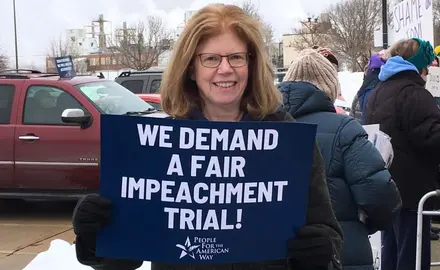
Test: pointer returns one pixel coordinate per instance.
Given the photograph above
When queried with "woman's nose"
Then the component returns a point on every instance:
(224, 66)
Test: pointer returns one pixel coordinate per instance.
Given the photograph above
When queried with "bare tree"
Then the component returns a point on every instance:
(140, 46)
(436, 17)
(267, 30)
(4, 61)
(58, 47)
(310, 33)
(352, 29)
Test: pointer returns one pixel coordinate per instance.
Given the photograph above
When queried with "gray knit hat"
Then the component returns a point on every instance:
(314, 68)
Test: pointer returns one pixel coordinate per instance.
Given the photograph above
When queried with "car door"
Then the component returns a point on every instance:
(7, 93)
(134, 85)
(50, 154)
(153, 84)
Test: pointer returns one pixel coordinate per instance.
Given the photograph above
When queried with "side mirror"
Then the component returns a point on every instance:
(76, 116)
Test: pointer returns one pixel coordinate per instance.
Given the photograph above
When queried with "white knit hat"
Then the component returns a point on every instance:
(314, 68)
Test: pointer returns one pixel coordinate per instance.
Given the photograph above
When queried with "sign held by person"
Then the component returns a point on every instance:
(409, 19)
(65, 66)
(203, 192)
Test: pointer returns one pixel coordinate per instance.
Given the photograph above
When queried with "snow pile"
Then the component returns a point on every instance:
(61, 255)
(350, 84)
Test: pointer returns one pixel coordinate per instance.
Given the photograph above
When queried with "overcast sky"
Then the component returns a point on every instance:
(40, 21)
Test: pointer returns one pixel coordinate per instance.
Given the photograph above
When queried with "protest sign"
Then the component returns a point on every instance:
(408, 19)
(65, 66)
(433, 81)
(382, 142)
(203, 192)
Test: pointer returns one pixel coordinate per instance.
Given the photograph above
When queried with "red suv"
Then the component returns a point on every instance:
(50, 132)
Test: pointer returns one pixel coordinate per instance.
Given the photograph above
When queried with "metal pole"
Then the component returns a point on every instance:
(420, 214)
(15, 32)
(384, 24)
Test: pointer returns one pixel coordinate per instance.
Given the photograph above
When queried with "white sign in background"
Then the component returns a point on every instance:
(409, 18)
(433, 81)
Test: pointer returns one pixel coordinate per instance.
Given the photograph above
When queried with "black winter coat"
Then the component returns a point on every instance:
(319, 214)
(408, 113)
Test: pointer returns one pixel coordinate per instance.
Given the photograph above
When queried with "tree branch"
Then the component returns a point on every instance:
(352, 28)
(140, 46)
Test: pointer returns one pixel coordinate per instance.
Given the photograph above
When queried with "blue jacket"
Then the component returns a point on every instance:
(356, 175)
(370, 81)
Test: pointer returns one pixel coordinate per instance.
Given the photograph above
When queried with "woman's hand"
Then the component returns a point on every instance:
(90, 215)
(312, 249)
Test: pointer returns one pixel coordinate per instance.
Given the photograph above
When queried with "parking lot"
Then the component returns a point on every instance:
(27, 229)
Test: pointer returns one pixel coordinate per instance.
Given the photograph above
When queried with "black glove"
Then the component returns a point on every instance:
(311, 249)
(91, 214)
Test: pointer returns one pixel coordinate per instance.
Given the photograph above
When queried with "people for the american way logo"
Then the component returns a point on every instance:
(204, 248)
(187, 249)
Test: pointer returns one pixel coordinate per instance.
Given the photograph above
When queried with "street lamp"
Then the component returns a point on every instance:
(384, 24)
(15, 33)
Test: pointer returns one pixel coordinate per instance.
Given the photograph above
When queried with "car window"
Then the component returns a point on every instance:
(45, 104)
(110, 97)
(134, 86)
(155, 85)
(6, 98)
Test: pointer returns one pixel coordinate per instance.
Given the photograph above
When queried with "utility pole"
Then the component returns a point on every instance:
(15, 33)
(101, 35)
(384, 24)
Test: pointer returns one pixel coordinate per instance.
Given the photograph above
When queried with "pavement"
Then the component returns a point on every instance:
(27, 228)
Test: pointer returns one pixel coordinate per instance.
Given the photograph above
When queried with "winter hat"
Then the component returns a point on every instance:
(424, 55)
(314, 68)
(327, 53)
(437, 50)
(375, 62)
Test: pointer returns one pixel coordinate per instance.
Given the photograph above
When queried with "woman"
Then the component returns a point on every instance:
(219, 72)
(364, 197)
(370, 81)
(408, 113)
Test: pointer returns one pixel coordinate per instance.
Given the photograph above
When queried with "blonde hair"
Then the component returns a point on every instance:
(404, 48)
(179, 94)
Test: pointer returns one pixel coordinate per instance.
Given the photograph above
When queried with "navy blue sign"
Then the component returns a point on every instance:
(65, 66)
(203, 192)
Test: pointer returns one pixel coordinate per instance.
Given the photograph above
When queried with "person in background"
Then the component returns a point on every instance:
(437, 50)
(435, 219)
(329, 55)
(377, 60)
(364, 196)
(408, 113)
(219, 72)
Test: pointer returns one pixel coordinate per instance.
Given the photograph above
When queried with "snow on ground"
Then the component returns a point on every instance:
(61, 254)
(350, 84)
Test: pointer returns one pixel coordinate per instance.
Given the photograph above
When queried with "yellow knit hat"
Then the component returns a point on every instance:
(437, 50)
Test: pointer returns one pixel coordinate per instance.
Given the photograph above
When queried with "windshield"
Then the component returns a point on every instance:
(112, 98)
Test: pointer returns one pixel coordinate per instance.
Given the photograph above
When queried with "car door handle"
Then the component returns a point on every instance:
(29, 138)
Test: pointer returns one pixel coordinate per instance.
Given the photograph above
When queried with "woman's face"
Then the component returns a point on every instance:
(221, 80)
